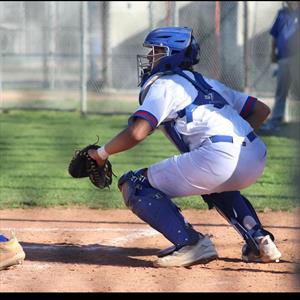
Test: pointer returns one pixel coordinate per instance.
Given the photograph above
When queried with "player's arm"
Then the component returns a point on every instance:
(129, 137)
(258, 115)
(126, 139)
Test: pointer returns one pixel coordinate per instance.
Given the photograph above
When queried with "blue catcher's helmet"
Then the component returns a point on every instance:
(180, 49)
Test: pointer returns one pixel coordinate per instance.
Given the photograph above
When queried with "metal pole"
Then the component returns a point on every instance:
(246, 48)
(168, 13)
(93, 42)
(45, 39)
(217, 38)
(151, 20)
(83, 56)
(106, 49)
(1, 87)
(104, 43)
(52, 44)
(175, 15)
(1, 78)
(23, 28)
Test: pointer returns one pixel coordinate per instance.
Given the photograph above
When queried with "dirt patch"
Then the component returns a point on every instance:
(112, 250)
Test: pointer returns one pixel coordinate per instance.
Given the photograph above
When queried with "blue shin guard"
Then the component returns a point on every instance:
(156, 209)
(240, 213)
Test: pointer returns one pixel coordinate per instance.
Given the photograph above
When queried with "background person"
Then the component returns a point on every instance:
(285, 52)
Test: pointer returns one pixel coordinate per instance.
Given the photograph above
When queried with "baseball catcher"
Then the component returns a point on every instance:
(213, 127)
(83, 165)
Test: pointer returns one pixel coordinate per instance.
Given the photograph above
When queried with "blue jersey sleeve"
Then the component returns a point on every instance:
(274, 31)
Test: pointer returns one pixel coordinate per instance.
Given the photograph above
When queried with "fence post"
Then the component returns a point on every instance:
(175, 14)
(52, 43)
(45, 31)
(83, 57)
(1, 87)
(217, 39)
(23, 28)
(106, 49)
(246, 48)
(151, 20)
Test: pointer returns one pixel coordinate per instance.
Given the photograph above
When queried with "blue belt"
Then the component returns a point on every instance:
(229, 139)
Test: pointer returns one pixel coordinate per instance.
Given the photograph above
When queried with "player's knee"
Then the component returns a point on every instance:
(156, 209)
(130, 183)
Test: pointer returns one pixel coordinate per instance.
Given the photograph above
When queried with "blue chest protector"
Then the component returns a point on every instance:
(206, 95)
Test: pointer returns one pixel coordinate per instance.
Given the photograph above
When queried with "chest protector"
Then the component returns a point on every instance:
(206, 96)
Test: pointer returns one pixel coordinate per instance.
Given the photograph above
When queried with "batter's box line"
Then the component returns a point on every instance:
(113, 242)
(34, 229)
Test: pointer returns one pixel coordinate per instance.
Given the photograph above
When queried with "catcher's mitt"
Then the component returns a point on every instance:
(82, 165)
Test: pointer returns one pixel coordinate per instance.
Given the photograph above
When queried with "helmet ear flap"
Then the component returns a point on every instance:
(192, 52)
(188, 51)
(195, 51)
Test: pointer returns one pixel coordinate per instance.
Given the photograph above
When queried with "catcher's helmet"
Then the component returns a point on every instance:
(181, 50)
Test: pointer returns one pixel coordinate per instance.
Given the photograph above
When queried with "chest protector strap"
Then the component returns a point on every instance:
(168, 128)
(148, 85)
(206, 95)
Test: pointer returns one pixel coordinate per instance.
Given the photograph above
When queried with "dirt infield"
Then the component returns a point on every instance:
(112, 250)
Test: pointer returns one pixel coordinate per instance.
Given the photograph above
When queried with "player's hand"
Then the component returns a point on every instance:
(94, 155)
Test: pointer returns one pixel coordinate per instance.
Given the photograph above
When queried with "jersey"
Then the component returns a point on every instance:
(218, 154)
(171, 93)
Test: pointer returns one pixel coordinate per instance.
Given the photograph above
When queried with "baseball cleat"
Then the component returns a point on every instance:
(11, 253)
(202, 252)
(268, 251)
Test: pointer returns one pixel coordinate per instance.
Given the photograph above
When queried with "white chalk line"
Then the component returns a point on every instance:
(111, 244)
(133, 236)
(35, 229)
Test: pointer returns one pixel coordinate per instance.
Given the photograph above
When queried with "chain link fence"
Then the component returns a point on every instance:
(82, 55)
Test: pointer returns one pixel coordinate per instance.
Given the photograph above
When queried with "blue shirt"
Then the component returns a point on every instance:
(285, 31)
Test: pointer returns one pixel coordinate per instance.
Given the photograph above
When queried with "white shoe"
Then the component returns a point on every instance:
(11, 253)
(202, 252)
(268, 251)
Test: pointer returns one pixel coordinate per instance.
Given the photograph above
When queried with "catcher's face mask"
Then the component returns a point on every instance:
(147, 62)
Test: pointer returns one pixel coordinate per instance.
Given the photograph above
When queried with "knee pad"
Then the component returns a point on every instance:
(240, 213)
(156, 209)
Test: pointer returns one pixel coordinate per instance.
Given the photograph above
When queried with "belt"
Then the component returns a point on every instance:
(229, 139)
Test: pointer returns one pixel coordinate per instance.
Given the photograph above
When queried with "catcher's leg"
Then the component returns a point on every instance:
(157, 209)
(239, 212)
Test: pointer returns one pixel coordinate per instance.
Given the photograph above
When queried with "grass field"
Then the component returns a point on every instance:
(36, 147)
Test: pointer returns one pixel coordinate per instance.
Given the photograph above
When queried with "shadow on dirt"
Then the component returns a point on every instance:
(241, 266)
(94, 254)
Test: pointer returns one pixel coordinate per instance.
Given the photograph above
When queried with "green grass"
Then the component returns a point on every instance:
(36, 147)
(104, 106)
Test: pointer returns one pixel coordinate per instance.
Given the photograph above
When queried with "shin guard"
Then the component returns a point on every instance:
(239, 212)
(156, 209)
